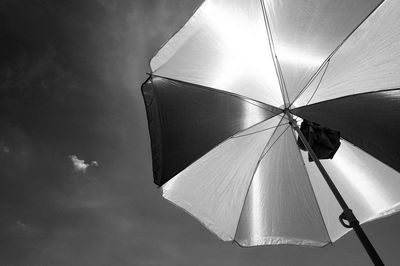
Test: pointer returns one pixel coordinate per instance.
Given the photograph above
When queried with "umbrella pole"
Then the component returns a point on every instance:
(347, 215)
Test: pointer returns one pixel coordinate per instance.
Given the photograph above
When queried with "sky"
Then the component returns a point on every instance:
(76, 184)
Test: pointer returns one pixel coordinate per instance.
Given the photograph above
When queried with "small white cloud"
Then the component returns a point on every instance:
(79, 165)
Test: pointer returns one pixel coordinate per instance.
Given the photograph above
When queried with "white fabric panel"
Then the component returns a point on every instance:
(224, 46)
(370, 188)
(213, 188)
(280, 207)
(369, 60)
(306, 32)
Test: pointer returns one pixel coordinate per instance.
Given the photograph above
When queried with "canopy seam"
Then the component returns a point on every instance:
(274, 57)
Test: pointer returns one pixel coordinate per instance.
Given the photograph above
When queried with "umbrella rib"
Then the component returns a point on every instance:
(312, 188)
(333, 53)
(272, 109)
(244, 135)
(283, 80)
(252, 177)
(264, 154)
(319, 83)
(278, 71)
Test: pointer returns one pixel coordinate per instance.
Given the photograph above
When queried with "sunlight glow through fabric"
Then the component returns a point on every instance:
(222, 146)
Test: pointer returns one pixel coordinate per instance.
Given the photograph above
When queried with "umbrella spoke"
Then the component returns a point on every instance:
(270, 128)
(278, 70)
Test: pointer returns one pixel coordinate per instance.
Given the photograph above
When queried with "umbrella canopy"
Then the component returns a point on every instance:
(220, 101)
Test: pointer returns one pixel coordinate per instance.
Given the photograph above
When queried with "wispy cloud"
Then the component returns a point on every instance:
(80, 165)
(4, 148)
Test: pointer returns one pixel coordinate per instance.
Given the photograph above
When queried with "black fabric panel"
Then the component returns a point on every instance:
(186, 121)
(370, 121)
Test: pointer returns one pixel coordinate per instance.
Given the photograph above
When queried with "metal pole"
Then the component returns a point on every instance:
(347, 214)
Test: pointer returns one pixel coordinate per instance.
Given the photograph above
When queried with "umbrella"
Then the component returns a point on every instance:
(270, 119)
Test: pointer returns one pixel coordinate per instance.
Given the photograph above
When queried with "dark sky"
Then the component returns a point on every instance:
(70, 76)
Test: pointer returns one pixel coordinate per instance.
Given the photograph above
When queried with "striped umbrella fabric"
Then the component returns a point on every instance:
(220, 97)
